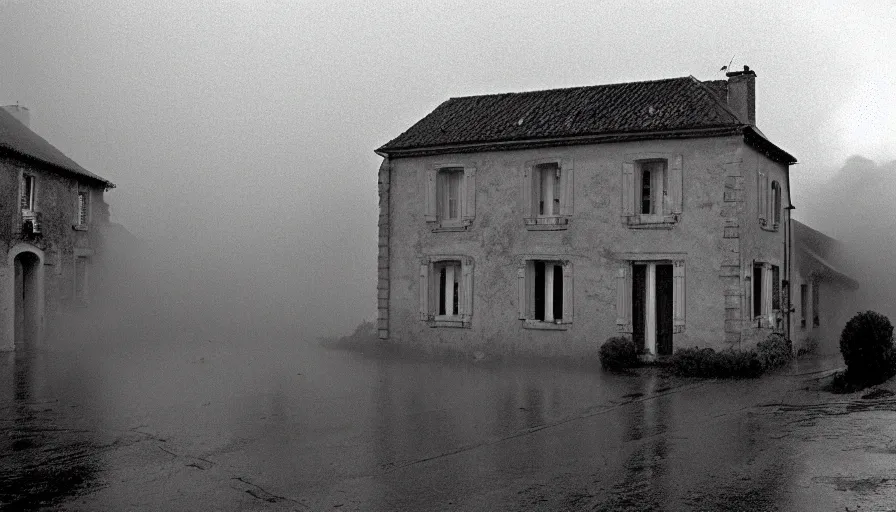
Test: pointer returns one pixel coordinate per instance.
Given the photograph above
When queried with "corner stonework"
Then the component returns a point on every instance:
(382, 266)
(729, 243)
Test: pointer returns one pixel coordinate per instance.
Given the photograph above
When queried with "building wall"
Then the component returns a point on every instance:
(709, 237)
(59, 244)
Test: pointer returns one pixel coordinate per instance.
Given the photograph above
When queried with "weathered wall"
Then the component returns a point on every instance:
(707, 238)
(59, 242)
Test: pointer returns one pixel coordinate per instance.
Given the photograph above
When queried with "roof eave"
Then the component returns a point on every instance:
(754, 138)
(505, 145)
(92, 177)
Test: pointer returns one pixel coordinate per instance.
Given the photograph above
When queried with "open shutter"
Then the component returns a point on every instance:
(675, 185)
(466, 287)
(628, 189)
(567, 293)
(424, 291)
(469, 194)
(567, 190)
(624, 299)
(767, 289)
(527, 200)
(762, 196)
(678, 296)
(522, 292)
(430, 201)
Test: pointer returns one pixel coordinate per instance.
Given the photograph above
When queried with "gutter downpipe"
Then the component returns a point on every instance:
(788, 262)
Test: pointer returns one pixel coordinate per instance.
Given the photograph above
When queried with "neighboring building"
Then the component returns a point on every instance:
(545, 222)
(50, 215)
(823, 293)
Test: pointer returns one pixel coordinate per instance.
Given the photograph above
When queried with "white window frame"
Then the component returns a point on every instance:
(436, 200)
(32, 198)
(666, 190)
(82, 210)
(768, 316)
(429, 300)
(548, 208)
(526, 293)
(775, 204)
(624, 321)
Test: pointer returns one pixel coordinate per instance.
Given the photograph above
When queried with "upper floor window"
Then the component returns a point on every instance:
(83, 208)
(776, 204)
(768, 201)
(548, 194)
(29, 193)
(446, 291)
(651, 189)
(450, 200)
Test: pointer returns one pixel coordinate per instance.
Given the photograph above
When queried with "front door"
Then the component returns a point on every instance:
(664, 309)
(639, 305)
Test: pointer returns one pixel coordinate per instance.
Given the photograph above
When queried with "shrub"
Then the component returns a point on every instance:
(775, 351)
(707, 363)
(810, 346)
(867, 347)
(618, 352)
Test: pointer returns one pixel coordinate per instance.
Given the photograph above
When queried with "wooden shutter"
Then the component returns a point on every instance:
(679, 297)
(466, 287)
(469, 194)
(567, 189)
(676, 191)
(567, 293)
(762, 196)
(527, 199)
(522, 292)
(624, 298)
(628, 189)
(767, 292)
(430, 199)
(424, 291)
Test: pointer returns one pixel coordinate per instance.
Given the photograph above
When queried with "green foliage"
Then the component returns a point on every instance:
(866, 343)
(618, 352)
(775, 351)
(707, 363)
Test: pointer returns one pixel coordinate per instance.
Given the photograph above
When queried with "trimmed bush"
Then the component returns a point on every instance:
(867, 347)
(707, 363)
(618, 352)
(775, 351)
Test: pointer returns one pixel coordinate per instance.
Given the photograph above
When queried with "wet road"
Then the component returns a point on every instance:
(202, 425)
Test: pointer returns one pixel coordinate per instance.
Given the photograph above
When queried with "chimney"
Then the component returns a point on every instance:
(20, 113)
(742, 94)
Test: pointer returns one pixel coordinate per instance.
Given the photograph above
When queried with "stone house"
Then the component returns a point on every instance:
(50, 216)
(546, 222)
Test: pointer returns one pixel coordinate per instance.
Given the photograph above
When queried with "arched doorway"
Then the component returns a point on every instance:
(26, 299)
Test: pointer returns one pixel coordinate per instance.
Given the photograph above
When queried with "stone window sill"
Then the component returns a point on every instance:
(765, 227)
(538, 325)
(448, 227)
(79, 227)
(546, 223)
(448, 322)
(648, 221)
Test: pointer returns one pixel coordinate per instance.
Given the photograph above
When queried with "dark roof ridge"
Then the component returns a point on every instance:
(571, 88)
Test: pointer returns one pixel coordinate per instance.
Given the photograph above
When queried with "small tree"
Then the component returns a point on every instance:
(867, 347)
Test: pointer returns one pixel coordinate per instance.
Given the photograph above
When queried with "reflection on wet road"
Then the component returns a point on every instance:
(201, 426)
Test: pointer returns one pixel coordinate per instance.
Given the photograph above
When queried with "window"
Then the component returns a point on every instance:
(642, 288)
(80, 279)
(766, 294)
(776, 205)
(446, 291)
(83, 209)
(450, 203)
(548, 194)
(804, 304)
(545, 293)
(815, 303)
(29, 192)
(652, 189)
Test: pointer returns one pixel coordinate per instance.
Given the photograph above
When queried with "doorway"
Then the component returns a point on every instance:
(26, 300)
(652, 310)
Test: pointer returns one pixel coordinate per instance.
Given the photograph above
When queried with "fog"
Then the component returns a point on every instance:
(241, 133)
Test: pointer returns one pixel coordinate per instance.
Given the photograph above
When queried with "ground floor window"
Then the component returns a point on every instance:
(80, 278)
(545, 293)
(446, 291)
(804, 304)
(766, 290)
(815, 303)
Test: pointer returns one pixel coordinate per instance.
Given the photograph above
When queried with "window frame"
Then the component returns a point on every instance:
(82, 211)
(671, 199)
(434, 204)
(526, 292)
(563, 194)
(429, 291)
(32, 197)
(768, 315)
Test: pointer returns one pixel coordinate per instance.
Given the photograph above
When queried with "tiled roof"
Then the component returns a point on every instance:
(820, 253)
(655, 106)
(19, 139)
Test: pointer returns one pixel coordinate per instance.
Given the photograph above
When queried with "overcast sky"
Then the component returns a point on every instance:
(241, 133)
